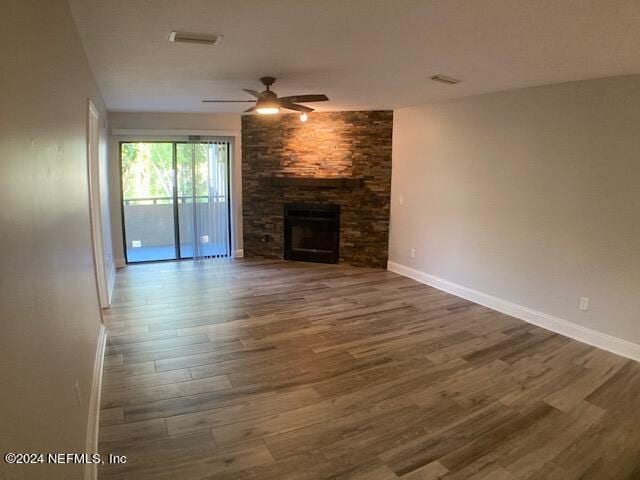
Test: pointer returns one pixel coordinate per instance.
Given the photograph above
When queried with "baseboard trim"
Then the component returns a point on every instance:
(555, 324)
(111, 282)
(238, 253)
(91, 469)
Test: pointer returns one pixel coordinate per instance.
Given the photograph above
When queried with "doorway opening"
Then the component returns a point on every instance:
(175, 199)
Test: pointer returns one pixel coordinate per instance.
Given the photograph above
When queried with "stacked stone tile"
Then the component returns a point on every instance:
(331, 144)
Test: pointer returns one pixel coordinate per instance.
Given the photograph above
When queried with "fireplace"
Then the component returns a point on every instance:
(311, 232)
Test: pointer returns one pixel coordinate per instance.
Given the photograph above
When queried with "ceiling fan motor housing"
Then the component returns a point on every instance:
(268, 95)
(268, 99)
(267, 81)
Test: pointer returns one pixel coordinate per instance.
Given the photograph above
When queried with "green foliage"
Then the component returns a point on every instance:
(187, 177)
(147, 170)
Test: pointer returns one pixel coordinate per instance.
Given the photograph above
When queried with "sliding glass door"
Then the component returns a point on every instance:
(175, 200)
(147, 201)
(203, 199)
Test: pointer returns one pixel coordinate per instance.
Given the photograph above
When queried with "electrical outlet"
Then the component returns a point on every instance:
(413, 253)
(401, 200)
(584, 304)
(76, 387)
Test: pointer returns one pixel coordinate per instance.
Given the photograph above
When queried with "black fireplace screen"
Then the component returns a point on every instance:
(312, 232)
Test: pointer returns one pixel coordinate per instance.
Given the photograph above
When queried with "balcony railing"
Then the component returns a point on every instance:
(151, 222)
(185, 199)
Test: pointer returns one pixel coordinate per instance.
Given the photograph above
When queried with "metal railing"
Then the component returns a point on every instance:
(185, 199)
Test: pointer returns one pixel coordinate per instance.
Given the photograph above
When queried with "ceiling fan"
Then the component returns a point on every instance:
(268, 103)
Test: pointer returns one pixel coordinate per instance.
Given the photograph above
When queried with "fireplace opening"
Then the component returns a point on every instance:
(312, 232)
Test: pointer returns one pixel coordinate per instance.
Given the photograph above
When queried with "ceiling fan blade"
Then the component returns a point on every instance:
(305, 98)
(248, 110)
(293, 106)
(252, 92)
(227, 101)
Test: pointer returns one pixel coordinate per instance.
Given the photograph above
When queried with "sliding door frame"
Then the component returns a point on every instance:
(176, 218)
(230, 244)
(176, 207)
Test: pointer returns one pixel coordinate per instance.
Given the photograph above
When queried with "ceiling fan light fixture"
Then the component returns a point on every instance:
(267, 104)
(267, 110)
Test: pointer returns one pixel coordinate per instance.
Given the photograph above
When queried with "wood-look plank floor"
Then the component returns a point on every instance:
(296, 371)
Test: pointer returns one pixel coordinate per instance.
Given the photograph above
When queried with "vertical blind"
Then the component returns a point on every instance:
(204, 166)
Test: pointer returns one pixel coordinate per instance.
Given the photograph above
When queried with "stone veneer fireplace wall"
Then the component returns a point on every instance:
(287, 161)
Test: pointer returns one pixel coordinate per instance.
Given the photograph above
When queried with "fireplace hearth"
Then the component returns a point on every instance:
(312, 232)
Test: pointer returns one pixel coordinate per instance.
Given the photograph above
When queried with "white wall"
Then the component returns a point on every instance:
(49, 307)
(169, 122)
(531, 196)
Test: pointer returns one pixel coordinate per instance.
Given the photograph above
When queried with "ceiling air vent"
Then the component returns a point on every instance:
(445, 79)
(203, 38)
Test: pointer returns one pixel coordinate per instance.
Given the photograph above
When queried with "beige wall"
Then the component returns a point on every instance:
(48, 299)
(532, 196)
(169, 122)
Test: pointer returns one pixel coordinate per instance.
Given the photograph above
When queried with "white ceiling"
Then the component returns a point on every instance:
(363, 54)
